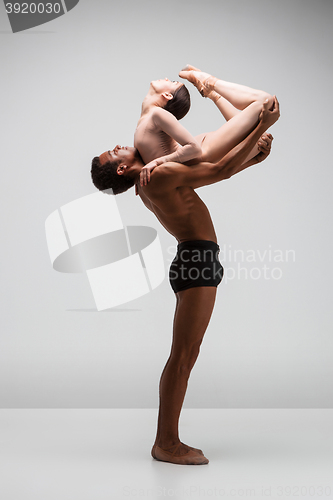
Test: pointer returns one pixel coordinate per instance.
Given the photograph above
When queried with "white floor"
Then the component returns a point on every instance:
(105, 455)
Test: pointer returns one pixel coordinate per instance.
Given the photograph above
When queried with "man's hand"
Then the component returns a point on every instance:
(264, 146)
(145, 172)
(269, 116)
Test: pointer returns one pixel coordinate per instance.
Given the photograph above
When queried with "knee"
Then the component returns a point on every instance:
(269, 97)
(186, 359)
(192, 359)
(271, 103)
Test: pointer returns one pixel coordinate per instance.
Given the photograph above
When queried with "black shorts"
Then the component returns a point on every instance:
(196, 264)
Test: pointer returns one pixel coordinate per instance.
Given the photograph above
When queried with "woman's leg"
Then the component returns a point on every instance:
(240, 105)
(218, 143)
(227, 109)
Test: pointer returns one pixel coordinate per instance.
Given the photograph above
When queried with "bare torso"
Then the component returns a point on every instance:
(159, 135)
(181, 211)
(150, 141)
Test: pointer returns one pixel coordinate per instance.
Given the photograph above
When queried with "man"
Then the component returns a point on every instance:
(196, 271)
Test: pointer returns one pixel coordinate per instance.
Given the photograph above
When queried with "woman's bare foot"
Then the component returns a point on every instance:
(180, 454)
(204, 82)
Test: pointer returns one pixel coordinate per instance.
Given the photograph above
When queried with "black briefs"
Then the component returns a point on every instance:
(196, 264)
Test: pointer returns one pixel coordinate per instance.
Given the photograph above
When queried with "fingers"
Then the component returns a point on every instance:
(276, 104)
(263, 140)
(263, 148)
(265, 143)
(266, 104)
(144, 177)
(266, 138)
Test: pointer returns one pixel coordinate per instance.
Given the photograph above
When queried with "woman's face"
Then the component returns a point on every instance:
(165, 85)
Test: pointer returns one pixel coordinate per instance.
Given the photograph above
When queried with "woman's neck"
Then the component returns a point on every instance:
(150, 102)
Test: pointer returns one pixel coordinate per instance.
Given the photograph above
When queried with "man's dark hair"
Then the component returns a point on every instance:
(106, 177)
(180, 104)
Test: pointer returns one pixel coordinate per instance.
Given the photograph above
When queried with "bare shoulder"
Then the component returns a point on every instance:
(163, 182)
(166, 176)
(160, 115)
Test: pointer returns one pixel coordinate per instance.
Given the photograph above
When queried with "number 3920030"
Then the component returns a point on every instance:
(33, 8)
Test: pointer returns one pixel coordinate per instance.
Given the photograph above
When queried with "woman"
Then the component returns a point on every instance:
(160, 138)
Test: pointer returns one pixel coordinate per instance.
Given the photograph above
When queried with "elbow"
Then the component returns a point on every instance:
(226, 175)
(222, 172)
(197, 150)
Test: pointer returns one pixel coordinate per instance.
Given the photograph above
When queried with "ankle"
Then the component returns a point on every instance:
(166, 443)
(209, 83)
(214, 96)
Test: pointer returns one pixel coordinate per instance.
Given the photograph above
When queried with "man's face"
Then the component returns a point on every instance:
(166, 85)
(124, 154)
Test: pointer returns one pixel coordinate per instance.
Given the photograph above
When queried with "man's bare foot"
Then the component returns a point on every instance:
(204, 82)
(195, 449)
(159, 444)
(180, 454)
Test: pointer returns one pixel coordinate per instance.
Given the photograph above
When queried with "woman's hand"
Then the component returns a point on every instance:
(145, 172)
(264, 146)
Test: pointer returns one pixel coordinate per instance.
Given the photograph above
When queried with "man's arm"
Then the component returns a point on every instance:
(171, 176)
(232, 162)
(264, 147)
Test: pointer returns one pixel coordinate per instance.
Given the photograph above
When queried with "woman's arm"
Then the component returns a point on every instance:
(169, 124)
(189, 149)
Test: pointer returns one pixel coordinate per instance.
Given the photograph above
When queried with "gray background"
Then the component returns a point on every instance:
(72, 89)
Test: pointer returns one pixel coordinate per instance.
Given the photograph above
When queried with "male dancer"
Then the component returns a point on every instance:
(196, 272)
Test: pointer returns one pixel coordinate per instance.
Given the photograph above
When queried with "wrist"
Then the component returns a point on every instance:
(158, 162)
(262, 125)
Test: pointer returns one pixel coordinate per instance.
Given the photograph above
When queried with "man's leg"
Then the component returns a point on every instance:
(239, 104)
(192, 315)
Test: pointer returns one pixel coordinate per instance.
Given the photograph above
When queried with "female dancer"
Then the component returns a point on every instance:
(160, 138)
